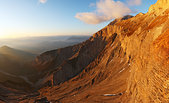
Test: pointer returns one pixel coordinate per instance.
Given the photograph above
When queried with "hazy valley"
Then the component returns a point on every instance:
(41, 44)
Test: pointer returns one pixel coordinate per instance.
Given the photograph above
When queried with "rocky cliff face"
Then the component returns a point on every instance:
(160, 7)
(65, 63)
(127, 61)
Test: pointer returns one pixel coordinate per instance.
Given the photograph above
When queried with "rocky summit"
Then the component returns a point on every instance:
(125, 62)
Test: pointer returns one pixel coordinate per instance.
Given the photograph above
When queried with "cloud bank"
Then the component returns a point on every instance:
(134, 2)
(106, 10)
(42, 1)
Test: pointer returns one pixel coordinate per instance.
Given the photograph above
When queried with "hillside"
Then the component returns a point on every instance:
(127, 61)
(14, 61)
(15, 69)
(16, 54)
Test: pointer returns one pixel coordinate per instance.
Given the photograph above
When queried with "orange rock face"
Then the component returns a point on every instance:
(131, 67)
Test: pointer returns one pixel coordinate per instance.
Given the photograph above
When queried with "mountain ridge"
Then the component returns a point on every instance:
(142, 29)
(16, 53)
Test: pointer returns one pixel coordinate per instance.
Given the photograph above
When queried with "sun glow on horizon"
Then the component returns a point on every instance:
(27, 35)
(2, 35)
(5, 34)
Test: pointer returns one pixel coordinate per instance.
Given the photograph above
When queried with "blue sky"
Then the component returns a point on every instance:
(22, 18)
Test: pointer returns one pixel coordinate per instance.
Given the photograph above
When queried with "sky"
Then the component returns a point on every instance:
(27, 18)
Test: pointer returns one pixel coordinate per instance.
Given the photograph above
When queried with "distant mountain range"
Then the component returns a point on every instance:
(39, 45)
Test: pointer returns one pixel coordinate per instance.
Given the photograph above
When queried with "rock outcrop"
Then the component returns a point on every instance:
(160, 7)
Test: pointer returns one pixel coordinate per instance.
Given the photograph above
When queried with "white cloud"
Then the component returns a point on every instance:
(105, 10)
(134, 2)
(92, 5)
(43, 1)
(90, 18)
